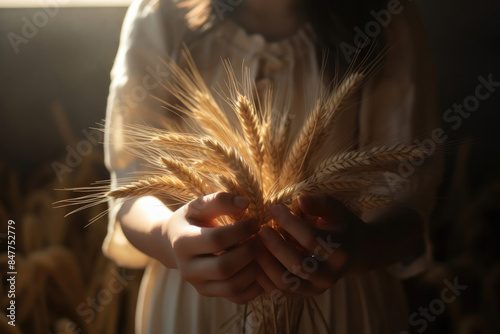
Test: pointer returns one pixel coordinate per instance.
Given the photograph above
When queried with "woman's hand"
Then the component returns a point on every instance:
(335, 243)
(328, 238)
(216, 260)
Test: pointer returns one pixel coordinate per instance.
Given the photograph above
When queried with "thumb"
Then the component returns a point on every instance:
(208, 208)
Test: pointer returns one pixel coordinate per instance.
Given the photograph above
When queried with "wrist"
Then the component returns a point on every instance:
(162, 241)
(141, 220)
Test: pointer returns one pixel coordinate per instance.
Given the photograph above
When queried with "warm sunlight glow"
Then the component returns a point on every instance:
(63, 3)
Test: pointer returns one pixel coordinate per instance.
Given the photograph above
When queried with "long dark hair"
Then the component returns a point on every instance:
(334, 21)
(336, 24)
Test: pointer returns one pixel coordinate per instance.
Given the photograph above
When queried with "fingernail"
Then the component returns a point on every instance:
(265, 232)
(305, 199)
(241, 202)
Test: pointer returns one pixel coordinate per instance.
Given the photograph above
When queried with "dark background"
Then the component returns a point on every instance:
(57, 85)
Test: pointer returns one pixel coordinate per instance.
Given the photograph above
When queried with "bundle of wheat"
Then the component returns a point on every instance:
(250, 158)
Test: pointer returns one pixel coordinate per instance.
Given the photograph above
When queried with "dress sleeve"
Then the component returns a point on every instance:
(399, 105)
(136, 77)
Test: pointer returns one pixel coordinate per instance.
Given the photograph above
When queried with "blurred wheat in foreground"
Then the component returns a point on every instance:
(251, 158)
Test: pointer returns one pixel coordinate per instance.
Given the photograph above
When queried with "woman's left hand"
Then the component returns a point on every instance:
(333, 246)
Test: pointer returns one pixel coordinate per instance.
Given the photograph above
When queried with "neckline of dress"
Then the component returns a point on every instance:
(241, 38)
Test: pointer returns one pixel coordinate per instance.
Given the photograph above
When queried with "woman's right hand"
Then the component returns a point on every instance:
(219, 261)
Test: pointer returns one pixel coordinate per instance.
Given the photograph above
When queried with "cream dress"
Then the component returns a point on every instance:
(393, 109)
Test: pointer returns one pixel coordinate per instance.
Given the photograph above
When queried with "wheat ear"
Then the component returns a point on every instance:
(190, 145)
(336, 105)
(316, 128)
(302, 149)
(267, 170)
(187, 175)
(270, 168)
(368, 202)
(157, 185)
(340, 97)
(174, 139)
(317, 184)
(242, 174)
(250, 125)
(206, 158)
(275, 144)
(376, 157)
